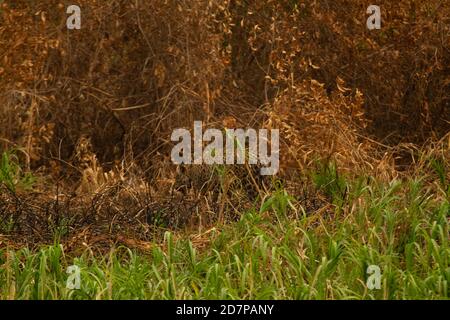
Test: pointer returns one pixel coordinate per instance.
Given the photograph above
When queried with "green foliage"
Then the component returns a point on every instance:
(327, 178)
(12, 175)
(258, 258)
(440, 169)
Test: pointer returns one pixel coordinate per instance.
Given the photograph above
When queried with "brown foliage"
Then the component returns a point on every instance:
(95, 107)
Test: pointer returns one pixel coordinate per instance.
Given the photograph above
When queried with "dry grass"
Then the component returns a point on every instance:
(90, 112)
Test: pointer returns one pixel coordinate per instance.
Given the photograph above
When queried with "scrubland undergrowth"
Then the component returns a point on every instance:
(86, 177)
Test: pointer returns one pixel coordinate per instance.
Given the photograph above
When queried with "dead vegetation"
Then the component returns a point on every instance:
(91, 111)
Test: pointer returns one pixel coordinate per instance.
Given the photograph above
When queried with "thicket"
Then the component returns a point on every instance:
(92, 110)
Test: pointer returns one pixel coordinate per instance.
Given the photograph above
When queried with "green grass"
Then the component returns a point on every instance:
(277, 251)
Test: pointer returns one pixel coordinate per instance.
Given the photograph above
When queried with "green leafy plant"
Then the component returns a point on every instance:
(255, 258)
(12, 175)
(439, 168)
(328, 179)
